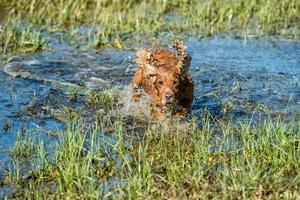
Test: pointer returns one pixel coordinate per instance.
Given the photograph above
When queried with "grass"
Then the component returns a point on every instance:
(14, 38)
(214, 160)
(100, 100)
(112, 23)
(210, 159)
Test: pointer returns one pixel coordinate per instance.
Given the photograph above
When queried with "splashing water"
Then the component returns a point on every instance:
(127, 106)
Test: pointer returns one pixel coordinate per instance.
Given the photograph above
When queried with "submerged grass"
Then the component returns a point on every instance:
(184, 160)
(114, 22)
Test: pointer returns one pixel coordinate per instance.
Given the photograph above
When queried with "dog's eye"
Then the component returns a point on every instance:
(160, 82)
(149, 76)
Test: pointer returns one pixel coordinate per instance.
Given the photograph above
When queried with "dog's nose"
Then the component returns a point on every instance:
(168, 97)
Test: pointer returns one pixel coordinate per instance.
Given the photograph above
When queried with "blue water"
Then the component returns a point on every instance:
(15, 95)
(267, 71)
(260, 54)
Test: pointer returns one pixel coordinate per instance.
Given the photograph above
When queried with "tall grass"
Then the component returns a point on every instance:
(14, 38)
(113, 22)
(169, 162)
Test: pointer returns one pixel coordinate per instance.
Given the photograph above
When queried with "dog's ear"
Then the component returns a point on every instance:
(185, 65)
(144, 59)
(184, 58)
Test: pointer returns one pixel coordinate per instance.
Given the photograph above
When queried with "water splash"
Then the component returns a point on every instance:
(127, 106)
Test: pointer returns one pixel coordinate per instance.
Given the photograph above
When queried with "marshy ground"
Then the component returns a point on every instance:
(68, 128)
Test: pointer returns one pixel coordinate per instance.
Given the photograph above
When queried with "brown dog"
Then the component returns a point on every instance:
(163, 75)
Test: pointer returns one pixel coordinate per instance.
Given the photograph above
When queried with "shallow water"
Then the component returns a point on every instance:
(233, 78)
(15, 95)
(238, 76)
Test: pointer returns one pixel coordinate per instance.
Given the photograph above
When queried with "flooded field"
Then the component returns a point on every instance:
(235, 79)
(70, 130)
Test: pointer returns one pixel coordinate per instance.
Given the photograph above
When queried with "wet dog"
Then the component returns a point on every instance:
(163, 76)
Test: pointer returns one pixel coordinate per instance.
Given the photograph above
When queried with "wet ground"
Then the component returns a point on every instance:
(233, 78)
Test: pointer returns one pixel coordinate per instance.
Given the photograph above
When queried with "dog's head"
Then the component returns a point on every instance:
(167, 84)
(165, 72)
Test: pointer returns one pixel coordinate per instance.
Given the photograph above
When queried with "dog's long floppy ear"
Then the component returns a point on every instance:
(144, 58)
(184, 58)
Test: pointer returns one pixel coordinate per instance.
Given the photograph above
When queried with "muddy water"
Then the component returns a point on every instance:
(233, 79)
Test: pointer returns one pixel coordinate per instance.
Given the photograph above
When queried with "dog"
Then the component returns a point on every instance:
(163, 76)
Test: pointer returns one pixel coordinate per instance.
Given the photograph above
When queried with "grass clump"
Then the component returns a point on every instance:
(185, 160)
(14, 38)
(25, 145)
(31, 41)
(100, 100)
(114, 22)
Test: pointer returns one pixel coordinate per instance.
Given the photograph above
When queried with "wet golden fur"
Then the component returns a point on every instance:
(163, 75)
